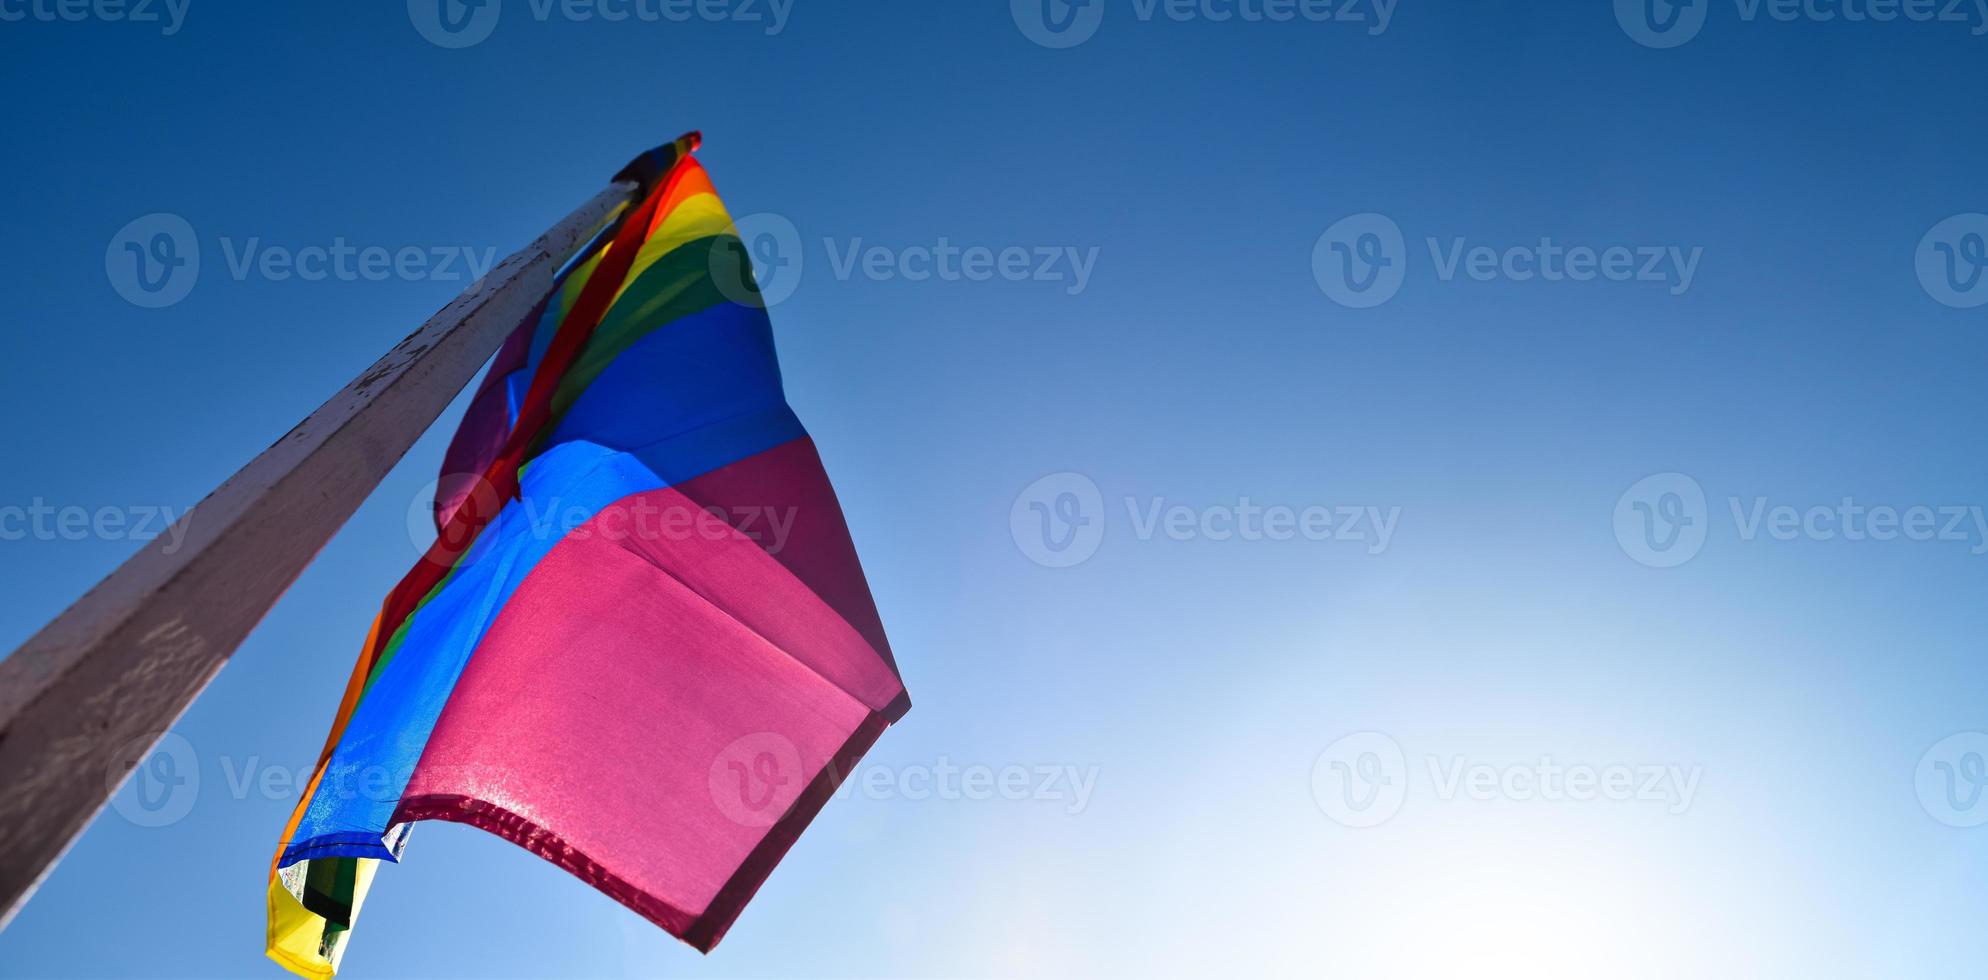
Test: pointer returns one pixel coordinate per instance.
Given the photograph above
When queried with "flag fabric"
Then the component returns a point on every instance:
(642, 646)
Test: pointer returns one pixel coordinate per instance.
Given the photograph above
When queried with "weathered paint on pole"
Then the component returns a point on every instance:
(84, 699)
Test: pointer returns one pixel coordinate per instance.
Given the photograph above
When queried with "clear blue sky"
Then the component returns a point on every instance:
(1775, 700)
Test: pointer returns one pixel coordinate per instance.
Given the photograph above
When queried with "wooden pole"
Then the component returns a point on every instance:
(106, 679)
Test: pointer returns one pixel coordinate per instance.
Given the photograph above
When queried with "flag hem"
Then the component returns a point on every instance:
(701, 930)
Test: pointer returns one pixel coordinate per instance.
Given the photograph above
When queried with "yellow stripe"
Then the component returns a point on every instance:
(303, 941)
(697, 216)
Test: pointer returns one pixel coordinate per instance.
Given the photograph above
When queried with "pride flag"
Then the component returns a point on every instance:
(642, 646)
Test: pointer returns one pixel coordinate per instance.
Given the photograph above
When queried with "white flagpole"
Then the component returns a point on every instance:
(84, 699)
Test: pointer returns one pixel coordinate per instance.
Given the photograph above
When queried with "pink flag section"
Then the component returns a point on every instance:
(664, 705)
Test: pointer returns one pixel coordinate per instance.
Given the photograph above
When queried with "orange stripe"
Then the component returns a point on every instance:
(691, 181)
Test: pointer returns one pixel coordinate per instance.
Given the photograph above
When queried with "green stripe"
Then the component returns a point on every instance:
(329, 885)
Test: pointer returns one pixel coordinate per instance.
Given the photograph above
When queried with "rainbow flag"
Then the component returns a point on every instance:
(642, 646)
